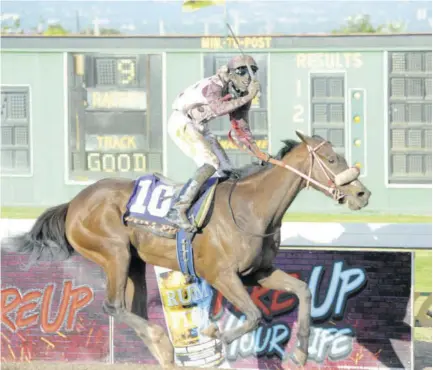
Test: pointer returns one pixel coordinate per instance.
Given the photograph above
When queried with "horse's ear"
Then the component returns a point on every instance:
(303, 137)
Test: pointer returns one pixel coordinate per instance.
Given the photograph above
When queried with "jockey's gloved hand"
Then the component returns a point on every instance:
(262, 156)
(253, 88)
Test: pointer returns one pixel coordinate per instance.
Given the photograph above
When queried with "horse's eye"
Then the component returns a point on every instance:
(331, 160)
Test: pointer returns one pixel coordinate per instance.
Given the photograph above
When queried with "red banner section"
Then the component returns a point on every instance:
(52, 312)
(361, 314)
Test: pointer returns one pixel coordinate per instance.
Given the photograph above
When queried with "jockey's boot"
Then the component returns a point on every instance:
(178, 213)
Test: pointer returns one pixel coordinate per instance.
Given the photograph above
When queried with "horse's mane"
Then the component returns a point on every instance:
(256, 167)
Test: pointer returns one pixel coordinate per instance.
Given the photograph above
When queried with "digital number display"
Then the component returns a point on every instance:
(126, 69)
(116, 71)
(118, 143)
(116, 162)
(115, 153)
(116, 100)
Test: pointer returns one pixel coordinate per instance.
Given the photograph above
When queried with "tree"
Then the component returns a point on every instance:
(17, 24)
(362, 24)
(5, 28)
(55, 30)
(13, 27)
(102, 31)
(109, 31)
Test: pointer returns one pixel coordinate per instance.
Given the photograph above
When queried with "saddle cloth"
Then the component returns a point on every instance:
(153, 196)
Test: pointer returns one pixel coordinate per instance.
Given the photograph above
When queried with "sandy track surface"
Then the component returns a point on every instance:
(67, 366)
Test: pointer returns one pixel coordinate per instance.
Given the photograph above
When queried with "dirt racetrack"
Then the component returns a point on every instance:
(423, 353)
(36, 365)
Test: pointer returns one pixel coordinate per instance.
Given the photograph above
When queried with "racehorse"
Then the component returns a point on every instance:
(239, 241)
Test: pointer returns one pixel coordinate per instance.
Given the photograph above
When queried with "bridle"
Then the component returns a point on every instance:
(332, 189)
(334, 180)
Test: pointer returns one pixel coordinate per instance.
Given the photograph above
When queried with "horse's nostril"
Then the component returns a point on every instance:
(360, 194)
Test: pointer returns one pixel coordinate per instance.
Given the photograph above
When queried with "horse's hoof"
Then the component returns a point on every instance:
(161, 346)
(227, 338)
(211, 331)
(169, 366)
(299, 357)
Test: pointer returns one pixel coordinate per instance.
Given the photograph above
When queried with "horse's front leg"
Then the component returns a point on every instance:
(279, 280)
(231, 287)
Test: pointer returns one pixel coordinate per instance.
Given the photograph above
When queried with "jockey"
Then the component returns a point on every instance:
(230, 91)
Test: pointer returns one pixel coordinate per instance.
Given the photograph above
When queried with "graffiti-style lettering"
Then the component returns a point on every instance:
(335, 344)
(270, 339)
(271, 303)
(265, 340)
(24, 307)
(10, 300)
(342, 285)
(24, 316)
(342, 344)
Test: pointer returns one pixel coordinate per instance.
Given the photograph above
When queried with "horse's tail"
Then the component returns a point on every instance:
(46, 241)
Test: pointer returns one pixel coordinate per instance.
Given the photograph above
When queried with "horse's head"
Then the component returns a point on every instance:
(329, 173)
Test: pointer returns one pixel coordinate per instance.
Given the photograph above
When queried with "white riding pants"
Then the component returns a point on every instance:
(198, 143)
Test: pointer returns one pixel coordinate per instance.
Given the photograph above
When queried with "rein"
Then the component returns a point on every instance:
(339, 179)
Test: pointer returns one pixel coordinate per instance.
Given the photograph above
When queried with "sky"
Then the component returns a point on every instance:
(155, 17)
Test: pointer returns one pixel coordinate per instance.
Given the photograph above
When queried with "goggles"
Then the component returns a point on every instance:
(242, 71)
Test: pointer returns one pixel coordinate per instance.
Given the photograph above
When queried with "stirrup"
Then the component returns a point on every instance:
(180, 218)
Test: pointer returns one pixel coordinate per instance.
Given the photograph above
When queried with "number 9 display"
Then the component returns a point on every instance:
(126, 68)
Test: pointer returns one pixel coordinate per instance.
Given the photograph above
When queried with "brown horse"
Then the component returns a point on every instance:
(239, 242)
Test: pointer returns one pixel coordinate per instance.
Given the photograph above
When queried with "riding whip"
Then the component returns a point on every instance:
(250, 71)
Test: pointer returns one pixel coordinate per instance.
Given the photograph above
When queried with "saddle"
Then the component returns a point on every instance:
(152, 197)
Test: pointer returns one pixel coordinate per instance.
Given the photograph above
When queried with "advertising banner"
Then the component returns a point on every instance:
(361, 314)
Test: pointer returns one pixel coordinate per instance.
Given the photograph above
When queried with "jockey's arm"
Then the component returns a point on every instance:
(218, 105)
(239, 120)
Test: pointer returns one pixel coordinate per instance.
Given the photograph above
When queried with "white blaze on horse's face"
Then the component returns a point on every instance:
(330, 169)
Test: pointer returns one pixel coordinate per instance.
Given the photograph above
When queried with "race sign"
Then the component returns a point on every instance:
(115, 126)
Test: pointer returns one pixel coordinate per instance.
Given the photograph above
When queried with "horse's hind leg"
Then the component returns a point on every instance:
(136, 287)
(115, 258)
